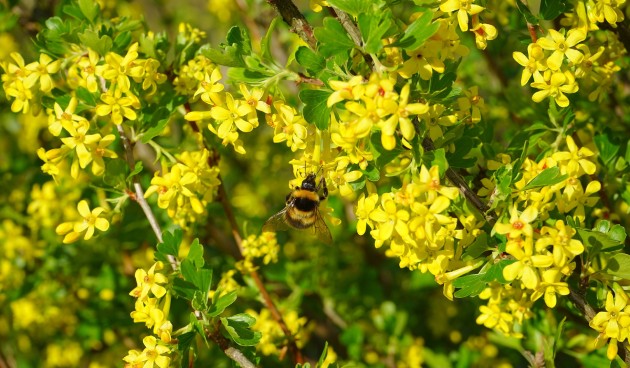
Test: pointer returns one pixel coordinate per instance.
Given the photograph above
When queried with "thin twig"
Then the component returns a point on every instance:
(231, 352)
(138, 189)
(463, 187)
(238, 239)
(295, 19)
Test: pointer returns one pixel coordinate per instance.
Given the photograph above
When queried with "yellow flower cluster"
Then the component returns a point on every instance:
(414, 223)
(462, 9)
(559, 59)
(20, 80)
(613, 324)
(273, 338)
(254, 247)
(544, 256)
(372, 105)
(153, 311)
(185, 188)
(229, 115)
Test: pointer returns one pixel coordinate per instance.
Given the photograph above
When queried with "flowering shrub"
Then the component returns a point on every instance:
(471, 161)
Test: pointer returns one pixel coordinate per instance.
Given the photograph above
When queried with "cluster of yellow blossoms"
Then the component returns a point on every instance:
(559, 59)
(264, 247)
(229, 115)
(185, 188)
(153, 312)
(613, 324)
(413, 222)
(544, 256)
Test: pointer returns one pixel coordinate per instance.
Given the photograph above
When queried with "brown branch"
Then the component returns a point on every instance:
(131, 162)
(463, 187)
(294, 18)
(231, 352)
(236, 233)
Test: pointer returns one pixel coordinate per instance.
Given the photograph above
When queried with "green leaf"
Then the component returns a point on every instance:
(332, 38)
(469, 285)
(524, 9)
(155, 122)
(418, 32)
(195, 254)
(373, 28)
(238, 329)
(371, 172)
(596, 241)
(86, 96)
(478, 247)
(171, 242)
(91, 39)
(310, 60)
(316, 111)
(607, 149)
(439, 160)
(265, 43)
(619, 265)
(247, 75)
(495, 272)
(122, 41)
(352, 7)
(233, 52)
(551, 9)
(89, 8)
(322, 357)
(189, 272)
(136, 170)
(184, 343)
(547, 177)
(184, 289)
(223, 302)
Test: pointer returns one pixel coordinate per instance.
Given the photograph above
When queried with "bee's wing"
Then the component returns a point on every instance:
(320, 229)
(277, 222)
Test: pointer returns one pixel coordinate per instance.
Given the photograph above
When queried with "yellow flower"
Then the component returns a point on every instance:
(91, 221)
(64, 119)
(463, 8)
(367, 212)
(79, 141)
(614, 323)
(524, 268)
(575, 161)
(493, 317)
(422, 61)
(519, 224)
(483, 32)
(42, 69)
(562, 47)
(554, 85)
(401, 112)
(550, 286)
(231, 114)
(88, 64)
(154, 353)
(209, 87)
(565, 248)
(534, 63)
(350, 90)
(149, 281)
(116, 106)
(117, 69)
(22, 94)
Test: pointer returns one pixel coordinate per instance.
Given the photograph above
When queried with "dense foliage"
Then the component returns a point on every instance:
(475, 154)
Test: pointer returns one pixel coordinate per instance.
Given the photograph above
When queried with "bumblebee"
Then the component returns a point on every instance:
(302, 210)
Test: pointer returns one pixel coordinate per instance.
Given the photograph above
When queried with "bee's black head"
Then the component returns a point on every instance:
(309, 182)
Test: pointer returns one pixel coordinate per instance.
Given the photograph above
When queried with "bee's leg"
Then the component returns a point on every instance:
(325, 190)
